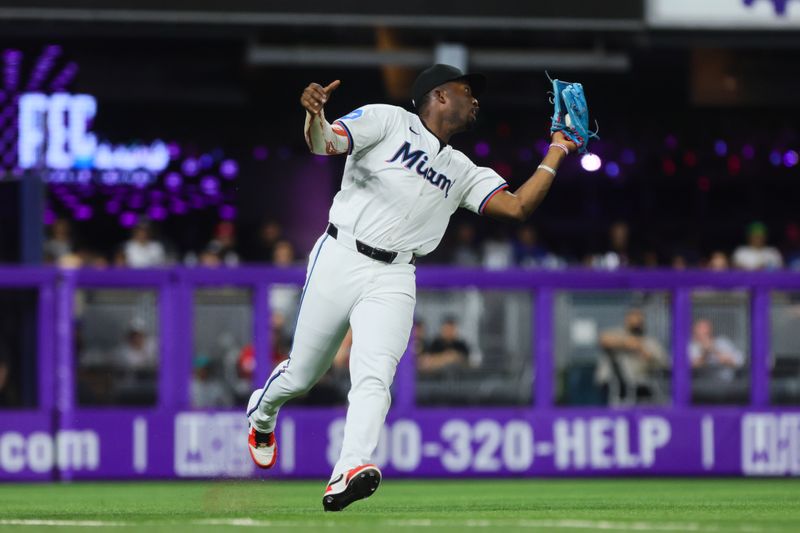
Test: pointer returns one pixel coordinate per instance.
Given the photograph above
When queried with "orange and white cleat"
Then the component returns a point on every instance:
(356, 484)
(263, 447)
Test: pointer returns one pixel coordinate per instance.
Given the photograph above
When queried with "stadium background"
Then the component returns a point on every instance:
(111, 371)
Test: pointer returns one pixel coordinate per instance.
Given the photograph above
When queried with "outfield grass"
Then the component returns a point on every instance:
(722, 505)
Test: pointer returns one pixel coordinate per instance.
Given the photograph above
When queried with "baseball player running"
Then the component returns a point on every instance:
(401, 182)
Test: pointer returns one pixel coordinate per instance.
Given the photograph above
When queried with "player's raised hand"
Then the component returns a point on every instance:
(315, 96)
(559, 137)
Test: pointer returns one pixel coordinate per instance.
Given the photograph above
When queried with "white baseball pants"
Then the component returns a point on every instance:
(344, 288)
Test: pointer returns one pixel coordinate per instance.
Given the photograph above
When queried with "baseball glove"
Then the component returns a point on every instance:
(571, 113)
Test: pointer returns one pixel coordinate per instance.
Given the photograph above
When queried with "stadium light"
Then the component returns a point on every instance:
(612, 169)
(591, 162)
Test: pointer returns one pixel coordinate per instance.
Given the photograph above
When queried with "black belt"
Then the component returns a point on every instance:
(384, 256)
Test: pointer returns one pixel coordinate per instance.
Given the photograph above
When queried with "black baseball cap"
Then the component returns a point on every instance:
(439, 74)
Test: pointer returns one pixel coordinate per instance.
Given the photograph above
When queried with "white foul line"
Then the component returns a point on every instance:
(411, 523)
(63, 523)
(573, 524)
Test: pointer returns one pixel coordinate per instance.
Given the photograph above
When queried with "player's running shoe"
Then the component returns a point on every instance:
(355, 484)
(263, 447)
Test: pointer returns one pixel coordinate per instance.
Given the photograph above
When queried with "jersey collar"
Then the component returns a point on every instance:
(442, 144)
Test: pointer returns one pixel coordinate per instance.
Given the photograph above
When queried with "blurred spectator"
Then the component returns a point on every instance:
(141, 251)
(269, 234)
(238, 379)
(283, 254)
(83, 257)
(716, 355)
(498, 252)
(118, 257)
(650, 259)
(69, 261)
(207, 390)
(756, 255)
(240, 365)
(718, 261)
(446, 351)
(465, 253)
(60, 242)
(280, 337)
(679, 262)
(138, 351)
(93, 258)
(529, 253)
(245, 367)
(136, 363)
(618, 254)
(418, 336)
(222, 246)
(209, 259)
(631, 359)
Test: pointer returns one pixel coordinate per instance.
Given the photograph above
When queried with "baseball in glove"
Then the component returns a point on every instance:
(571, 113)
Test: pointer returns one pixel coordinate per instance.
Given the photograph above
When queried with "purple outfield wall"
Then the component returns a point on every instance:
(102, 444)
(60, 441)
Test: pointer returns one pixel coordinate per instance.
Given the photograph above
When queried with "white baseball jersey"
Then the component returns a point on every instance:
(401, 184)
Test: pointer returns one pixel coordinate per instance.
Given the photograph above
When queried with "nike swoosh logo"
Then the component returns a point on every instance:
(412, 131)
(337, 480)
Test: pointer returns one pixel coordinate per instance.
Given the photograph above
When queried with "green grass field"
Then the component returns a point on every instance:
(723, 505)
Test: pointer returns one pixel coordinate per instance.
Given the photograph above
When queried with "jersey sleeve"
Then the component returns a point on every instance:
(482, 184)
(366, 126)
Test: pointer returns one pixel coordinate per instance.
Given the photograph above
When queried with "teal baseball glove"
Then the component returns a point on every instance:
(571, 114)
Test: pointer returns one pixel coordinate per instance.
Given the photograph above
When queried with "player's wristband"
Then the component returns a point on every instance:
(562, 146)
(549, 169)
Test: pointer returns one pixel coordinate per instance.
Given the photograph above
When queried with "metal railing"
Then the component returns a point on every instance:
(174, 287)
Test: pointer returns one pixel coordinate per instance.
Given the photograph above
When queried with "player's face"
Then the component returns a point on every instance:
(464, 106)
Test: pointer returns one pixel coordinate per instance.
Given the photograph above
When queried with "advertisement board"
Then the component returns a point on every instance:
(724, 14)
(125, 444)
